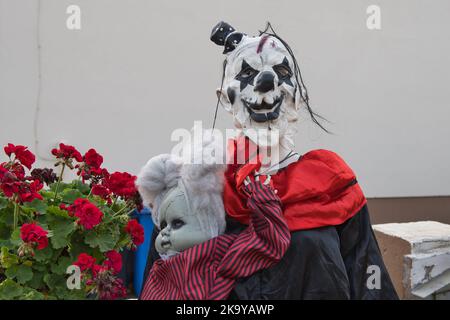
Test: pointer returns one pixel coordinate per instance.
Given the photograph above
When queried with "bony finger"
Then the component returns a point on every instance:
(267, 181)
(247, 181)
(256, 176)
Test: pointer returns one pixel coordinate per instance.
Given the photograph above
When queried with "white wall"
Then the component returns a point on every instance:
(138, 69)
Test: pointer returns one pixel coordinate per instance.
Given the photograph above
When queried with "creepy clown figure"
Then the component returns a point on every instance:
(260, 89)
(333, 247)
(313, 199)
(196, 260)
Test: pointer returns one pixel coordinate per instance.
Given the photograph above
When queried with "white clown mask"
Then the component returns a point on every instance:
(260, 87)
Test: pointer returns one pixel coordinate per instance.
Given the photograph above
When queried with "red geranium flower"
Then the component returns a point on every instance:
(12, 167)
(11, 183)
(3, 170)
(10, 149)
(99, 172)
(29, 192)
(136, 231)
(89, 215)
(44, 175)
(113, 261)
(22, 154)
(112, 291)
(101, 191)
(93, 159)
(33, 234)
(122, 184)
(107, 286)
(67, 152)
(91, 166)
(84, 261)
(98, 268)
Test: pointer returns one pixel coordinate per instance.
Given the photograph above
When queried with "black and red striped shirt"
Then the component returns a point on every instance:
(209, 270)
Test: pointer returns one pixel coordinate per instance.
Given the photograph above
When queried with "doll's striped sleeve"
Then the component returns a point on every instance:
(260, 246)
(209, 270)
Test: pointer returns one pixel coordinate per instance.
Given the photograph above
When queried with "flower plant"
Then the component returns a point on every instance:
(48, 225)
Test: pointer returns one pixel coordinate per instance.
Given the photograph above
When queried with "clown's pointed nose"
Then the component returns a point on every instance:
(265, 82)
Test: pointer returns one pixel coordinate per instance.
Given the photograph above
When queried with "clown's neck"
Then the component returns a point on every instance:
(276, 157)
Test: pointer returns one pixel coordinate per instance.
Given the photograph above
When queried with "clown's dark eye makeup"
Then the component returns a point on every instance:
(248, 72)
(246, 75)
(282, 71)
(177, 224)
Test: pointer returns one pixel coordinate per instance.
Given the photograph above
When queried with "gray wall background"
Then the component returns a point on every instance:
(139, 69)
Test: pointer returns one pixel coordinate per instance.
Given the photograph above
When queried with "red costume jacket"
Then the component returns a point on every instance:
(318, 190)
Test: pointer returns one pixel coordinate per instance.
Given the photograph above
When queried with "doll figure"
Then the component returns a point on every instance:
(197, 260)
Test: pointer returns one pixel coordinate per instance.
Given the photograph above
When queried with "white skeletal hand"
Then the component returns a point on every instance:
(247, 180)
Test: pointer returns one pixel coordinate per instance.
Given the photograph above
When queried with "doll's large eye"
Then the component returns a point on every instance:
(177, 224)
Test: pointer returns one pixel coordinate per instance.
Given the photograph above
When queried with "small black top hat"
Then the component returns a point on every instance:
(225, 35)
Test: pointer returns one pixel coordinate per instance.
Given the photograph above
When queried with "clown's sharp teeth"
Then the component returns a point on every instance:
(259, 100)
(269, 99)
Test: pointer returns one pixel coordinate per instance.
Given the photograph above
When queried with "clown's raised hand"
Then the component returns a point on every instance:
(255, 185)
(262, 199)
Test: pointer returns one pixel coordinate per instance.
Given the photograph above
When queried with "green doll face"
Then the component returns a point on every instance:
(180, 229)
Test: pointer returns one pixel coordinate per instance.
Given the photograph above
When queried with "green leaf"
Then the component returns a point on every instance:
(11, 272)
(58, 285)
(9, 289)
(24, 274)
(43, 255)
(27, 210)
(20, 272)
(15, 237)
(82, 187)
(62, 186)
(56, 211)
(37, 282)
(78, 246)
(47, 195)
(105, 240)
(53, 280)
(75, 294)
(7, 260)
(107, 215)
(7, 216)
(5, 232)
(6, 244)
(61, 229)
(39, 266)
(38, 205)
(31, 294)
(61, 267)
(70, 195)
(3, 202)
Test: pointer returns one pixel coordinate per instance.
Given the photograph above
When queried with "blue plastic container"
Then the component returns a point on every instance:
(145, 219)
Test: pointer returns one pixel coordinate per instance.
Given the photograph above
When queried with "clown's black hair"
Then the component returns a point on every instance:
(298, 77)
(218, 96)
